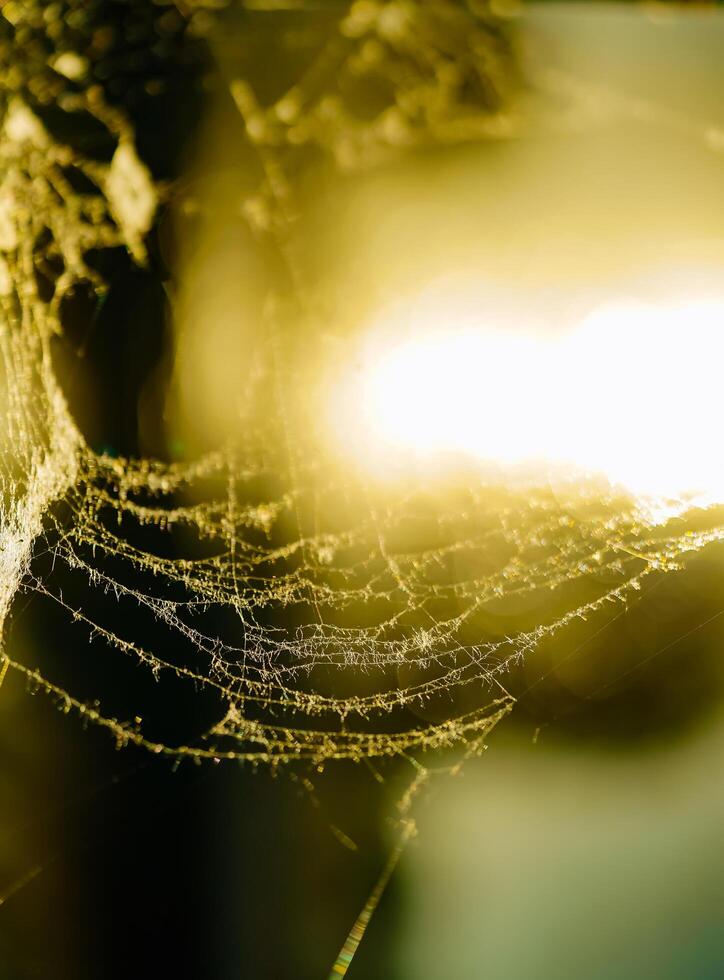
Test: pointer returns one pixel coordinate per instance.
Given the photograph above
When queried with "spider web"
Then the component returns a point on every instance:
(356, 610)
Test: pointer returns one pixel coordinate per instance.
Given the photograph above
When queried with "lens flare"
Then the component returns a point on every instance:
(631, 392)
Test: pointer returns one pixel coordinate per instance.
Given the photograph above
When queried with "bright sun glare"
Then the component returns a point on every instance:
(632, 392)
